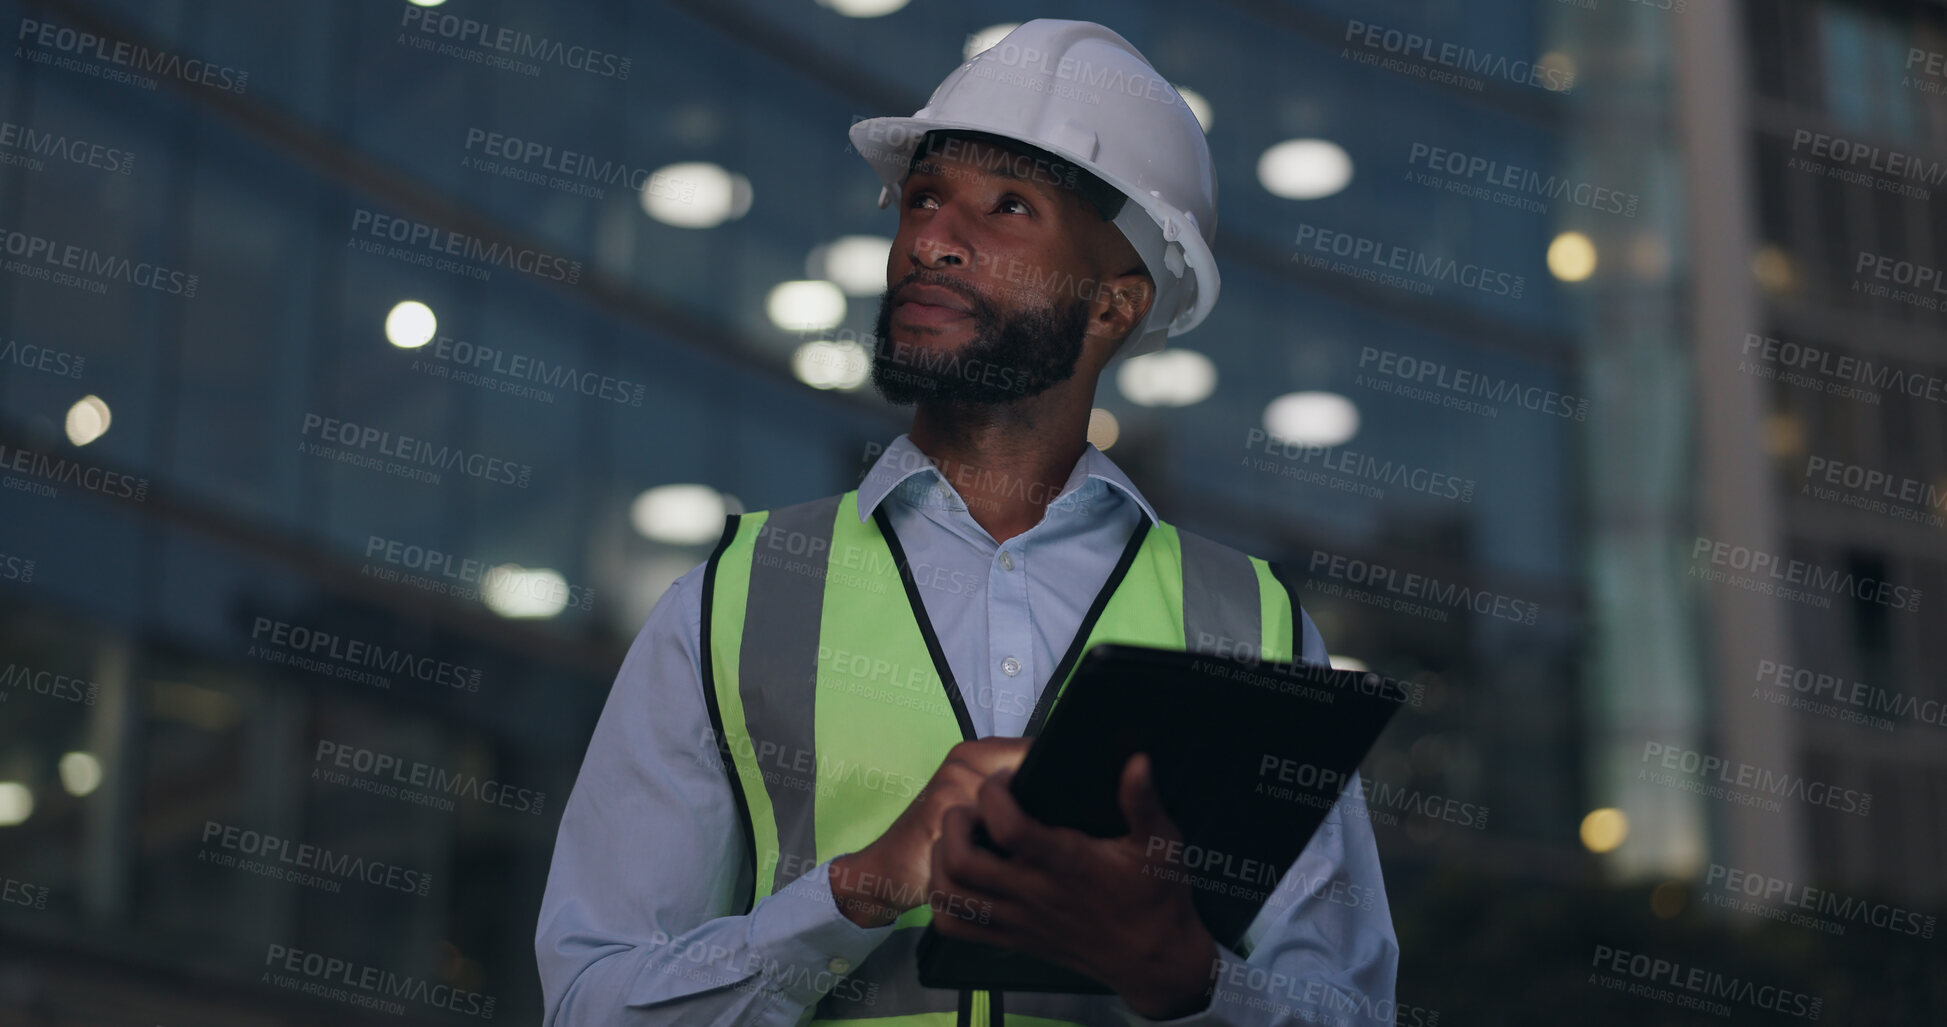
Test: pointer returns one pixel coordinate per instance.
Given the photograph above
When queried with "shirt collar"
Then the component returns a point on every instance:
(902, 460)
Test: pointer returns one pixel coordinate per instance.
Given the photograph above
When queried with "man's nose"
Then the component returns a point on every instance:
(933, 253)
(940, 242)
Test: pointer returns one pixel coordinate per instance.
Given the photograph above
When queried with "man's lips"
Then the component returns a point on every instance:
(928, 304)
(913, 312)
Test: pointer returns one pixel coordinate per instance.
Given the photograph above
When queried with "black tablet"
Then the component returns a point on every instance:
(1248, 758)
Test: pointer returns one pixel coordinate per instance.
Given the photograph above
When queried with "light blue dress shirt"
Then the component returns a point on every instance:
(636, 924)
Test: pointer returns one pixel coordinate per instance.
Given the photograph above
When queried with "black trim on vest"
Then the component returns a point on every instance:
(1068, 660)
(926, 631)
(953, 696)
(1291, 588)
(707, 660)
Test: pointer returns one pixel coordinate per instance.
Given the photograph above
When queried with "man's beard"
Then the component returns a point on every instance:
(1011, 355)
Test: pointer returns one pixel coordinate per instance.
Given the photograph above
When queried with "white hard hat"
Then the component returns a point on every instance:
(1081, 92)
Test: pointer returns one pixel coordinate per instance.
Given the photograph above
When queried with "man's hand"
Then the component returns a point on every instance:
(877, 883)
(1107, 907)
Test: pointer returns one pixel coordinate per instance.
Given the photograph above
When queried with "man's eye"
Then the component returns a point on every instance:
(918, 198)
(1015, 201)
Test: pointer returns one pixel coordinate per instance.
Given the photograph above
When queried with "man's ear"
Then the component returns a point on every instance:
(1122, 302)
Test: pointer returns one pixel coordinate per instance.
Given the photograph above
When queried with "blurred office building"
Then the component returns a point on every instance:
(364, 383)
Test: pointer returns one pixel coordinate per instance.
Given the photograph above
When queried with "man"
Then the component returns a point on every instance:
(783, 787)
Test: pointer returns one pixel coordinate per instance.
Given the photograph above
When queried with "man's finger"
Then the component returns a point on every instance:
(961, 866)
(990, 754)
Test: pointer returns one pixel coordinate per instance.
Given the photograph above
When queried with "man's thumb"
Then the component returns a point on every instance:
(1142, 805)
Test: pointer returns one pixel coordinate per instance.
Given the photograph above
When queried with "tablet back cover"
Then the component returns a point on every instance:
(1248, 759)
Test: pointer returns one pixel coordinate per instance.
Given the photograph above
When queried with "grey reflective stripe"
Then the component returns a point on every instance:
(1092, 1010)
(778, 673)
(892, 967)
(1220, 599)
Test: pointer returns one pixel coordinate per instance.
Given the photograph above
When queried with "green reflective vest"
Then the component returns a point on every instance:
(833, 705)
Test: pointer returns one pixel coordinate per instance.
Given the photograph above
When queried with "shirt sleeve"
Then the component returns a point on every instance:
(635, 925)
(1322, 950)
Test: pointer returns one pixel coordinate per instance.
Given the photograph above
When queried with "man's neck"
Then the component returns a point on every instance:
(1008, 462)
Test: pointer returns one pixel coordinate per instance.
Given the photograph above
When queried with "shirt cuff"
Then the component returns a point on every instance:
(806, 945)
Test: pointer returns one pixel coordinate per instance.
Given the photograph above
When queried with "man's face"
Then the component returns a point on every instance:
(988, 285)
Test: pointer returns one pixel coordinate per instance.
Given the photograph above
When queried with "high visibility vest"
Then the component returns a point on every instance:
(832, 706)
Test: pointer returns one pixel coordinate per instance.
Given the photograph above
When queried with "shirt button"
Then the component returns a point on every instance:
(1007, 562)
(839, 965)
(1010, 666)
